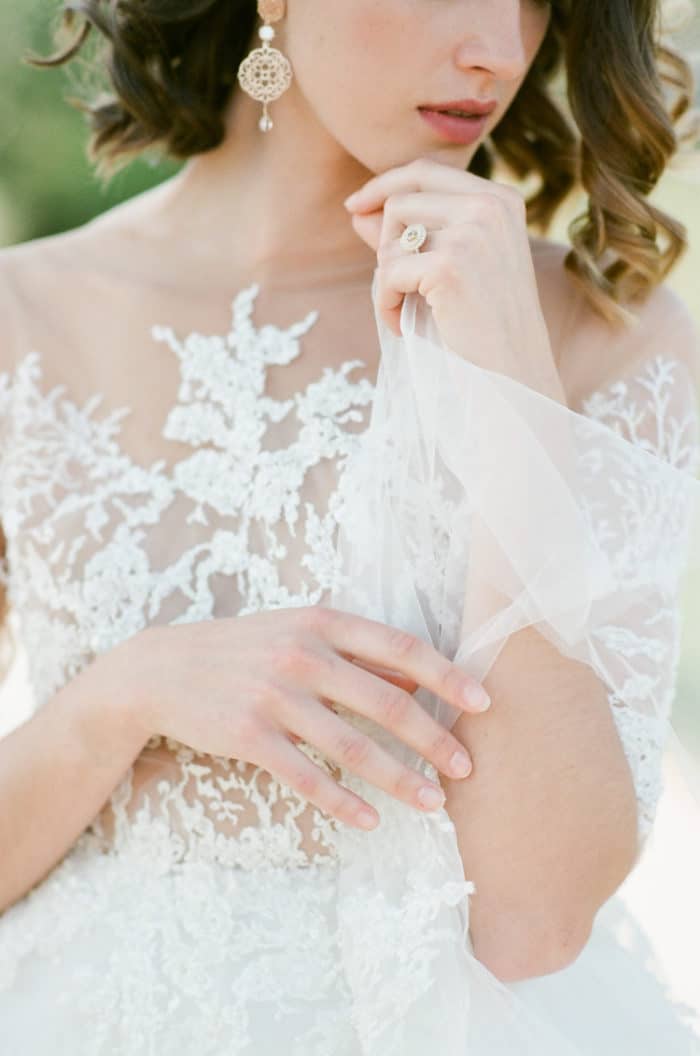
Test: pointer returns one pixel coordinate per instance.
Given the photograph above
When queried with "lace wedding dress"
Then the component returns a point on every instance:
(208, 909)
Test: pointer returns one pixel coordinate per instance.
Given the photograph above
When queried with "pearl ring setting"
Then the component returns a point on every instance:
(413, 238)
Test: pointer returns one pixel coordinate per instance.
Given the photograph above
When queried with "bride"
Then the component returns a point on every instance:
(344, 522)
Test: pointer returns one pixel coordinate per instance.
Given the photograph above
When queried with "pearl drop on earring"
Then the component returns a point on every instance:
(265, 74)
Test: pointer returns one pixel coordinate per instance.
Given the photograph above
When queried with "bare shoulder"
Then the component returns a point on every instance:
(591, 352)
(36, 274)
(40, 285)
(98, 244)
(662, 325)
(57, 286)
(9, 308)
(558, 293)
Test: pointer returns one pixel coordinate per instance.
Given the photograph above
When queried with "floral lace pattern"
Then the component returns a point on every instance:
(86, 528)
(155, 951)
(85, 525)
(653, 411)
(100, 547)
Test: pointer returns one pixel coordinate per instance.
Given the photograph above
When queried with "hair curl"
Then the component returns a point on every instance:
(172, 69)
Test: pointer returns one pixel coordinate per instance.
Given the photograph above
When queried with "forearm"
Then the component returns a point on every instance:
(57, 771)
(547, 822)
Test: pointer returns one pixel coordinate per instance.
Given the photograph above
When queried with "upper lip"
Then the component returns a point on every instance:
(469, 106)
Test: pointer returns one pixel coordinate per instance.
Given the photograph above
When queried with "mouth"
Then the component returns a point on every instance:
(455, 126)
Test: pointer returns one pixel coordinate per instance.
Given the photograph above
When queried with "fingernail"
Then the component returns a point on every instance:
(351, 199)
(460, 764)
(477, 698)
(431, 798)
(367, 819)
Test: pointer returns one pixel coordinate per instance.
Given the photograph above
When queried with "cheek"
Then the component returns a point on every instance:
(371, 27)
(346, 54)
(535, 23)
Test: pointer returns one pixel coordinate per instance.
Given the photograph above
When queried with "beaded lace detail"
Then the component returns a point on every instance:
(149, 940)
(100, 547)
(254, 511)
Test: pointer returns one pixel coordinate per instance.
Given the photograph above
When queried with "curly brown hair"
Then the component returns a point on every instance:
(172, 69)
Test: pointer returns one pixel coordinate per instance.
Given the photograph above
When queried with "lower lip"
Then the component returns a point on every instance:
(455, 129)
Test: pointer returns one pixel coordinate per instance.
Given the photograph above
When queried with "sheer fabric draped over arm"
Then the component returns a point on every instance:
(644, 387)
(609, 495)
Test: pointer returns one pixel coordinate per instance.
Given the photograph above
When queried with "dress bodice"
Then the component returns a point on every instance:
(241, 519)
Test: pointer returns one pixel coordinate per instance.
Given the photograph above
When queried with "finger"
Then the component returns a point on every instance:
(372, 227)
(395, 710)
(436, 211)
(406, 273)
(402, 681)
(399, 650)
(422, 174)
(395, 677)
(422, 273)
(368, 227)
(357, 752)
(327, 704)
(291, 766)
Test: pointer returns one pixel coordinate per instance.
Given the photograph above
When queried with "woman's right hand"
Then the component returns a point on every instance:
(248, 687)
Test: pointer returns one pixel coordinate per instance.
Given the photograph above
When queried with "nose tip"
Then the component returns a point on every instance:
(504, 61)
(498, 47)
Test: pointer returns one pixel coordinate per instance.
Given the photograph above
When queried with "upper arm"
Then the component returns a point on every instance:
(546, 823)
(595, 356)
(648, 395)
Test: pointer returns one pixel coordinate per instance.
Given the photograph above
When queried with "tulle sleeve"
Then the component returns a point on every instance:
(476, 507)
(481, 507)
(653, 406)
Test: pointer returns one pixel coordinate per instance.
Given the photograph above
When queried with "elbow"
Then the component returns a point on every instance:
(539, 938)
(519, 950)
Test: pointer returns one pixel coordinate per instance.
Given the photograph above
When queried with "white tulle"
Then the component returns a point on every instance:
(594, 562)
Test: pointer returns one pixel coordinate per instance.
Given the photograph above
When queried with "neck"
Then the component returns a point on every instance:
(273, 200)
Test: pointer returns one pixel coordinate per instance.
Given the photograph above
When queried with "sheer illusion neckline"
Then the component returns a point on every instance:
(243, 332)
(200, 354)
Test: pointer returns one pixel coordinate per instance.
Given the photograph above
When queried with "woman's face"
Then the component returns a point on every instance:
(365, 67)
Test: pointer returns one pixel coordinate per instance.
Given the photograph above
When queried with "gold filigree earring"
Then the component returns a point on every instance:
(265, 74)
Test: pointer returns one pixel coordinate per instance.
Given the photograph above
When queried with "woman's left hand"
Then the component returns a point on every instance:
(475, 270)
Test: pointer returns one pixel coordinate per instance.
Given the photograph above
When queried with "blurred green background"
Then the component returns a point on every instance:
(46, 182)
(47, 185)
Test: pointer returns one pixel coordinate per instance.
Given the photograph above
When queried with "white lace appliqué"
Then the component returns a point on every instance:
(226, 873)
(94, 555)
(655, 409)
(100, 547)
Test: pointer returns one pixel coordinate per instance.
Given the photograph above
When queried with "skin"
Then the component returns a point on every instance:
(265, 205)
(349, 123)
(349, 114)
